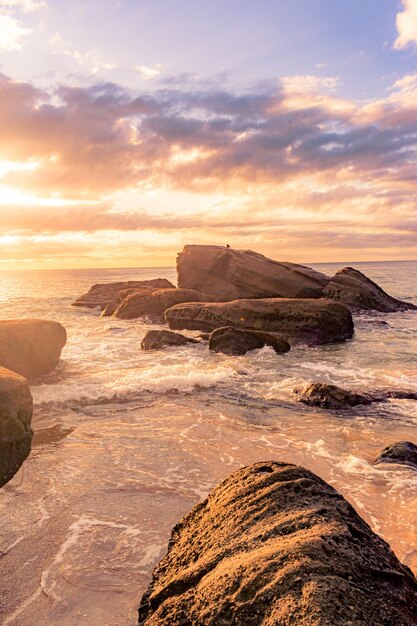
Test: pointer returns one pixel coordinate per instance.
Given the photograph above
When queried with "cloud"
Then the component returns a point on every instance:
(25, 6)
(407, 25)
(11, 33)
(148, 73)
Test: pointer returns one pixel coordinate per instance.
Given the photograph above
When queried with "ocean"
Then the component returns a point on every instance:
(126, 441)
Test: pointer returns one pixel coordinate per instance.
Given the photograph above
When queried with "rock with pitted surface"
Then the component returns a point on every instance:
(401, 452)
(100, 295)
(273, 545)
(228, 274)
(360, 293)
(15, 417)
(236, 341)
(157, 339)
(298, 320)
(31, 347)
(330, 396)
(154, 302)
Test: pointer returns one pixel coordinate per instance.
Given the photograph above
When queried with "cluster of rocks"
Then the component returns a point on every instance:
(275, 544)
(29, 348)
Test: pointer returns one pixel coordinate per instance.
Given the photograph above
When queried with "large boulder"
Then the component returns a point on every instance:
(401, 452)
(236, 341)
(358, 292)
(15, 416)
(157, 339)
(274, 544)
(31, 347)
(299, 320)
(100, 295)
(329, 396)
(153, 303)
(229, 274)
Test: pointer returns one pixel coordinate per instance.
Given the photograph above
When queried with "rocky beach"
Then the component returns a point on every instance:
(144, 389)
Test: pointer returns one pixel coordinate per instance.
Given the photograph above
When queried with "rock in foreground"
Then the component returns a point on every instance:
(31, 347)
(330, 396)
(235, 341)
(275, 545)
(228, 274)
(401, 452)
(103, 293)
(360, 293)
(157, 339)
(15, 418)
(154, 302)
(299, 320)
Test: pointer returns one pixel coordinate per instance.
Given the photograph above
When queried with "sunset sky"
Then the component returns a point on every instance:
(130, 128)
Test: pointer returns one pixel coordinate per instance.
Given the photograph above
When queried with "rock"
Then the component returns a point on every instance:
(305, 320)
(154, 302)
(15, 416)
(109, 309)
(228, 274)
(274, 545)
(401, 452)
(330, 396)
(31, 347)
(235, 341)
(358, 292)
(102, 294)
(157, 339)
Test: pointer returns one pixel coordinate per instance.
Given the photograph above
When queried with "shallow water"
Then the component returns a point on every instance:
(127, 442)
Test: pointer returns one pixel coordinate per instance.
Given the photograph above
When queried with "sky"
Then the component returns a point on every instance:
(130, 128)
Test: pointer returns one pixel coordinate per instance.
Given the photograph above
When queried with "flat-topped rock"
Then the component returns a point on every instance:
(31, 347)
(298, 320)
(236, 341)
(400, 452)
(103, 293)
(359, 293)
(157, 339)
(228, 274)
(16, 407)
(329, 396)
(274, 545)
(153, 303)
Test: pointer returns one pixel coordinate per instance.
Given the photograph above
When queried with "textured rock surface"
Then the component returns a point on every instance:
(229, 274)
(157, 339)
(109, 309)
(304, 320)
(154, 302)
(330, 396)
(235, 341)
(31, 347)
(402, 452)
(15, 417)
(102, 294)
(358, 292)
(274, 545)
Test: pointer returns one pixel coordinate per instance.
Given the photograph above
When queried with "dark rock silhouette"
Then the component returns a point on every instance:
(157, 339)
(16, 407)
(298, 320)
(274, 544)
(330, 396)
(401, 452)
(31, 347)
(236, 341)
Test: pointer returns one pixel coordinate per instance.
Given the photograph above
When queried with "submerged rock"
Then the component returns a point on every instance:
(16, 407)
(157, 339)
(358, 292)
(103, 293)
(31, 347)
(236, 341)
(154, 302)
(401, 452)
(330, 396)
(299, 320)
(274, 544)
(228, 274)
